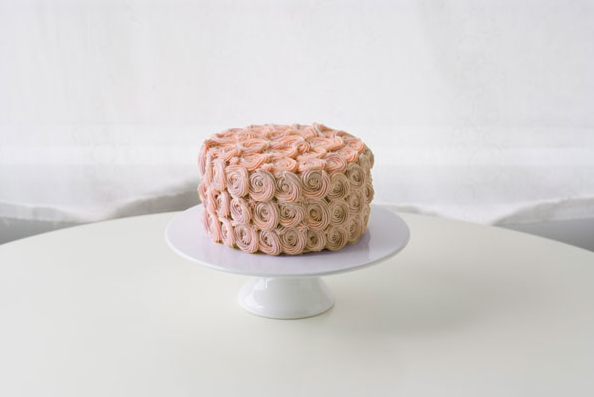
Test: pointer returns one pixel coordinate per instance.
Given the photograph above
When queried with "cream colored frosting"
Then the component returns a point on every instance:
(285, 189)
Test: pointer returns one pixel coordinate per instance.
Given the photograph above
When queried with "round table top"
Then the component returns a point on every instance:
(108, 309)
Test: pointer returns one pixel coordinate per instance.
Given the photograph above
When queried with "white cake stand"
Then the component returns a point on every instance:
(285, 286)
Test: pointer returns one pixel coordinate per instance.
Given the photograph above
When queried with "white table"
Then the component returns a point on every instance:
(109, 310)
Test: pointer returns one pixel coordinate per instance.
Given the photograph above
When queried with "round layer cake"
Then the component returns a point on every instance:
(281, 189)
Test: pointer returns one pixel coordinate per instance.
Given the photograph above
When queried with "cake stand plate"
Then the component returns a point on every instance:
(287, 286)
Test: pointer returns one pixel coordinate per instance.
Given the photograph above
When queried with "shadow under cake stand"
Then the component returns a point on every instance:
(287, 286)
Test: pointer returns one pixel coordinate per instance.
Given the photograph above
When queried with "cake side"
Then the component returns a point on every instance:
(285, 189)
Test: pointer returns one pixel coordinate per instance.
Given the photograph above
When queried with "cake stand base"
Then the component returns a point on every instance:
(285, 297)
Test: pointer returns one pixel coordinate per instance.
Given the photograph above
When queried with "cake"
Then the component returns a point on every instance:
(280, 189)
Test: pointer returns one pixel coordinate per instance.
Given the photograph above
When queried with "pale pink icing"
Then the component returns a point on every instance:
(288, 187)
(293, 240)
(336, 238)
(317, 214)
(223, 204)
(237, 180)
(315, 240)
(285, 189)
(269, 242)
(227, 232)
(265, 215)
(240, 211)
(246, 238)
(291, 214)
(316, 183)
(262, 185)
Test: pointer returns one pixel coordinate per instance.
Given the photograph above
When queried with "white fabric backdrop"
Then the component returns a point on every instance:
(482, 111)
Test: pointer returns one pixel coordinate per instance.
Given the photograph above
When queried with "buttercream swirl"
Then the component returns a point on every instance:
(356, 176)
(292, 240)
(269, 242)
(218, 174)
(210, 200)
(355, 144)
(315, 183)
(262, 185)
(336, 238)
(335, 162)
(291, 214)
(213, 227)
(368, 192)
(288, 187)
(356, 202)
(253, 145)
(223, 204)
(354, 229)
(253, 161)
(316, 240)
(285, 189)
(227, 232)
(265, 215)
(339, 186)
(339, 212)
(207, 176)
(246, 238)
(240, 211)
(237, 180)
(317, 214)
(281, 164)
(307, 163)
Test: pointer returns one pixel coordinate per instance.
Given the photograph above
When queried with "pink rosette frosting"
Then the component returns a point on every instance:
(253, 145)
(291, 214)
(213, 227)
(339, 212)
(202, 188)
(226, 152)
(293, 240)
(315, 183)
(288, 187)
(307, 163)
(365, 218)
(317, 214)
(348, 154)
(336, 238)
(253, 161)
(262, 185)
(335, 162)
(285, 189)
(246, 238)
(218, 174)
(363, 162)
(240, 211)
(355, 144)
(207, 176)
(265, 215)
(356, 202)
(368, 192)
(281, 164)
(340, 186)
(223, 204)
(269, 242)
(356, 176)
(237, 180)
(227, 232)
(315, 240)
(354, 229)
(210, 202)
(287, 141)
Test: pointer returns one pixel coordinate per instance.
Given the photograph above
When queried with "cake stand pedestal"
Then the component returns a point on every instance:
(288, 286)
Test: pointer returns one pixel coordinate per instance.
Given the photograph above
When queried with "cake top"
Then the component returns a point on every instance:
(276, 148)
